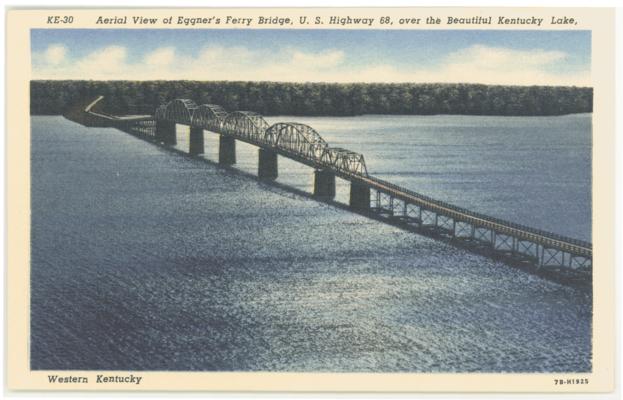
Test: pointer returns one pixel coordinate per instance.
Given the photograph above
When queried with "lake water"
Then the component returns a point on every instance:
(143, 259)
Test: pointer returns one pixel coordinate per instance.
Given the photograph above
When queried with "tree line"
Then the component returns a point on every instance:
(316, 99)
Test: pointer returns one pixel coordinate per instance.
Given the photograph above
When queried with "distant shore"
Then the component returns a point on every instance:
(49, 97)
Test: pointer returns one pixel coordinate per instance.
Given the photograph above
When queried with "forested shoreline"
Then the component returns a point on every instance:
(52, 97)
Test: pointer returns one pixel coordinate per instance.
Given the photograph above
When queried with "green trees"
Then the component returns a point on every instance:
(284, 98)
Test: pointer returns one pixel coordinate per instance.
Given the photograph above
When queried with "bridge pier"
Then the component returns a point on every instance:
(267, 165)
(165, 132)
(359, 196)
(226, 150)
(324, 184)
(160, 126)
(196, 141)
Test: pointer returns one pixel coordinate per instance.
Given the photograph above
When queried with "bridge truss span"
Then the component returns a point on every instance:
(180, 111)
(247, 125)
(297, 138)
(210, 117)
(345, 161)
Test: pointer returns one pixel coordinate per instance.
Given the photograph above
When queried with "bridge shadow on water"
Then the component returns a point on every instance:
(579, 283)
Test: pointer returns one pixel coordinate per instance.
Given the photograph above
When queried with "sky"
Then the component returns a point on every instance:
(470, 56)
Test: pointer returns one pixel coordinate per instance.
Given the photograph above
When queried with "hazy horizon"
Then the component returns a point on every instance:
(517, 58)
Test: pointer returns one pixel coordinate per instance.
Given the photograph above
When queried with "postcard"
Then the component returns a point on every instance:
(311, 199)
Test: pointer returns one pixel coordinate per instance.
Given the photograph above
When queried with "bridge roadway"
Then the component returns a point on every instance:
(301, 143)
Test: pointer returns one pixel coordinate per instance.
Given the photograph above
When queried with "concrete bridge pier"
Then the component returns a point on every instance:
(160, 127)
(359, 196)
(324, 184)
(165, 132)
(267, 166)
(196, 141)
(226, 150)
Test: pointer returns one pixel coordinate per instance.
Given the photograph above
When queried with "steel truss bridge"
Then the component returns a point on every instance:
(545, 251)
